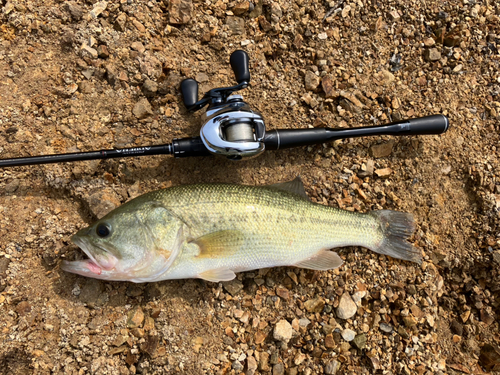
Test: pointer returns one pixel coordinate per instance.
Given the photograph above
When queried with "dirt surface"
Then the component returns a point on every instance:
(87, 75)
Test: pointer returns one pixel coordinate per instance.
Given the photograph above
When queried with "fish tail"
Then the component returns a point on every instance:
(396, 228)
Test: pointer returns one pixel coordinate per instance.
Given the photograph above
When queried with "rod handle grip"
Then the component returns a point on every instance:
(435, 124)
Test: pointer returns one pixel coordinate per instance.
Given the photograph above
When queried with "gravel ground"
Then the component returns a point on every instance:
(87, 75)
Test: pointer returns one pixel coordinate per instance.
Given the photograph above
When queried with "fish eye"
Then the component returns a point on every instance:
(103, 230)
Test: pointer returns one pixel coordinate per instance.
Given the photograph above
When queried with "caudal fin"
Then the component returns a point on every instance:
(396, 228)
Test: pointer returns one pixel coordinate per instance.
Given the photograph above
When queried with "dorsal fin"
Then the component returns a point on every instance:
(295, 186)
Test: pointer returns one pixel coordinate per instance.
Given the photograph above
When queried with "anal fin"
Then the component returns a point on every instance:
(321, 261)
(220, 274)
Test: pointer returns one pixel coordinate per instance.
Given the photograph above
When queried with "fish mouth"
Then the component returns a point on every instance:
(85, 267)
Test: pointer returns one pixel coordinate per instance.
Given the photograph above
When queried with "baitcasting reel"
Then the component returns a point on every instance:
(230, 127)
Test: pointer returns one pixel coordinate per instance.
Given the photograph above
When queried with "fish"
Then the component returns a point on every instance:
(213, 231)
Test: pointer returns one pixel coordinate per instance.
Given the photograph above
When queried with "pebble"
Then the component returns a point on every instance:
(283, 331)
(278, 369)
(102, 51)
(432, 54)
(138, 46)
(386, 327)
(332, 367)
(328, 85)
(135, 317)
(251, 365)
(88, 51)
(382, 150)
(489, 357)
(241, 8)
(149, 88)
(384, 172)
(103, 201)
(348, 334)
(98, 9)
(315, 305)
(142, 109)
(75, 10)
(233, 287)
(347, 308)
(311, 81)
(367, 169)
(236, 25)
(180, 11)
(360, 341)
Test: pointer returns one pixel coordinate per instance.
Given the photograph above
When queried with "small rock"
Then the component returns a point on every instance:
(409, 321)
(201, 77)
(149, 88)
(233, 287)
(259, 337)
(142, 109)
(264, 24)
(384, 327)
(241, 8)
(251, 365)
(102, 51)
(120, 22)
(236, 25)
(384, 172)
(385, 77)
(382, 150)
(360, 341)
(315, 305)
(367, 169)
(283, 331)
(135, 317)
(138, 46)
(98, 9)
(23, 308)
(180, 11)
(237, 366)
(429, 42)
(348, 334)
(88, 51)
(75, 10)
(432, 54)
(347, 308)
(103, 201)
(394, 15)
(4, 265)
(328, 86)
(489, 357)
(332, 367)
(311, 81)
(90, 291)
(278, 369)
(264, 361)
(329, 341)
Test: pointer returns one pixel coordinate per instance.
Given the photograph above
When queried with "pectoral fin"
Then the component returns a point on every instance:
(221, 274)
(321, 261)
(220, 244)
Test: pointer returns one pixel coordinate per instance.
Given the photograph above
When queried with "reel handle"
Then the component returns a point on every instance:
(189, 90)
(239, 63)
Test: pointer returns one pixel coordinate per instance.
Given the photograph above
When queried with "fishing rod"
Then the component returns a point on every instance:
(234, 130)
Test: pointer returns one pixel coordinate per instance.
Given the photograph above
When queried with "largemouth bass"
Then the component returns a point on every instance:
(212, 231)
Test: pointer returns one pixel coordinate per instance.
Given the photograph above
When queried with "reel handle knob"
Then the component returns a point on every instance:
(189, 90)
(239, 63)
